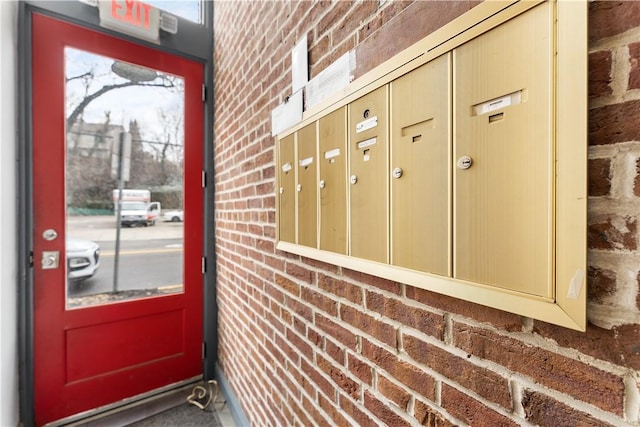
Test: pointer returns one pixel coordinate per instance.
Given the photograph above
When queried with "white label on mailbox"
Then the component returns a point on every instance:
(498, 103)
(332, 153)
(306, 162)
(367, 124)
(367, 143)
(286, 167)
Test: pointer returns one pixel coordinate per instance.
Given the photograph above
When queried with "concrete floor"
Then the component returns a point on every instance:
(187, 415)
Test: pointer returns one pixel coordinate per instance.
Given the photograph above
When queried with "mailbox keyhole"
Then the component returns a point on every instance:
(366, 113)
(416, 138)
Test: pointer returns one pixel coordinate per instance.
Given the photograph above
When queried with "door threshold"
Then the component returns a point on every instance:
(133, 409)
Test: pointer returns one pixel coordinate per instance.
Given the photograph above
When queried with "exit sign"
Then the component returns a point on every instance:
(131, 17)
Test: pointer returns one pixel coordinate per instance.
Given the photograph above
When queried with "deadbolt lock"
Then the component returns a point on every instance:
(397, 173)
(353, 179)
(50, 260)
(322, 183)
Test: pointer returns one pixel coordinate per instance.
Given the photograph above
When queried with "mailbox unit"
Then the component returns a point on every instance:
(458, 166)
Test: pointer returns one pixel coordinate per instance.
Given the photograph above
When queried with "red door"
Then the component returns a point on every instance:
(117, 299)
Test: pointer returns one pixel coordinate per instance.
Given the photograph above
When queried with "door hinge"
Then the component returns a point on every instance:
(204, 350)
(204, 93)
(204, 265)
(204, 179)
(31, 259)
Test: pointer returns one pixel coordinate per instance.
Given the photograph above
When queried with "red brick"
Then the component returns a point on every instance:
(613, 233)
(317, 380)
(383, 412)
(359, 368)
(636, 183)
(424, 321)
(287, 284)
(312, 409)
(498, 318)
(470, 411)
(340, 288)
(334, 413)
(573, 377)
(602, 284)
(351, 409)
(411, 25)
(284, 348)
(375, 328)
(618, 345)
(426, 416)
(320, 301)
(336, 331)
(394, 393)
(300, 272)
(599, 177)
(482, 381)
(343, 382)
(541, 409)
(610, 18)
(335, 351)
(378, 282)
(302, 346)
(314, 337)
(615, 123)
(599, 73)
(389, 11)
(634, 72)
(404, 372)
(299, 308)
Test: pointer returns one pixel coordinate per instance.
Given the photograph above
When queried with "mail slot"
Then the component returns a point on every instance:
(420, 166)
(286, 190)
(332, 163)
(306, 187)
(368, 176)
(503, 155)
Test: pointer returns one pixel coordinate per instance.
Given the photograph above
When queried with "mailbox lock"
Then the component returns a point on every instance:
(281, 190)
(397, 173)
(353, 179)
(464, 162)
(299, 187)
(322, 183)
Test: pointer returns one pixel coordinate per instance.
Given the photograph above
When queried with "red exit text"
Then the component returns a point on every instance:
(133, 12)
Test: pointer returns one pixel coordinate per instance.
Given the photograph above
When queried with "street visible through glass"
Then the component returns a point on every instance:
(124, 180)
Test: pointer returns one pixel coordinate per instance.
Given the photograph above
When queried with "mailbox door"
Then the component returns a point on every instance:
(368, 175)
(287, 191)
(307, 186)
(504, 146)
(420, 147)
(332, 162)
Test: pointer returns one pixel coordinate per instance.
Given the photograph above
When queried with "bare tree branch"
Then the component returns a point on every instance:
(87, 99)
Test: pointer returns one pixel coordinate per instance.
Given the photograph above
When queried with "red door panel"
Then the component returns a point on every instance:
(96, 355)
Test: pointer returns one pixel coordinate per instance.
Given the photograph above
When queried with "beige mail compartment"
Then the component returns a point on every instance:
(368, 176)
(332, 164)
(503, 155)
(420, 190)
(287, 190)
(307, 187)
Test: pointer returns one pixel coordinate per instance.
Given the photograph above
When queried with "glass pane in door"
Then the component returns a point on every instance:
(124, 180)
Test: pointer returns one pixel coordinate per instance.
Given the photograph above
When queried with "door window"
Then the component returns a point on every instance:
(123, 180)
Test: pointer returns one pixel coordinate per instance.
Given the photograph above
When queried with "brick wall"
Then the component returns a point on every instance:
(306, 343)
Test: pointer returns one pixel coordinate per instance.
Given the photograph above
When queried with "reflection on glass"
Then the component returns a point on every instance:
(188, 9)
(125, 141)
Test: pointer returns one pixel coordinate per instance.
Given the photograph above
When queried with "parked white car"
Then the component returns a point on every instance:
(83, 258)
(174, 216)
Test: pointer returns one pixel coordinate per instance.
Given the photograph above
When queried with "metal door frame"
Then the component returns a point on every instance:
(193, 41)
